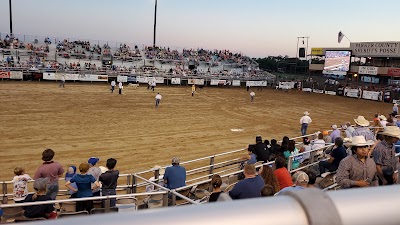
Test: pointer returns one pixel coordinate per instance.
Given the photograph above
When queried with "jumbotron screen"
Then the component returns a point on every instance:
(337, 62)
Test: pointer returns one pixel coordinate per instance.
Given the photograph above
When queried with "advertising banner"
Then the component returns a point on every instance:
(196, 81)
(175, 80)
(317, 51)
(4, 74)
(372, 95)
(257, 83)
(142, 79)
(122, 79)
(394, 72)
(352, 93)
(131, 79)
(49, 76)
(93, 77)
(318, 91)
(286, 85)
(330, 92)
(369, 70)
(307, 89)
(236, 83)
(17, 75)
(217, 82)
(376, 49)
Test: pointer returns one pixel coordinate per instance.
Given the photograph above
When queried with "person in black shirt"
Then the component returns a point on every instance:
(338, 153)
(261, 150)
(109, 180)
(216, 182)
(38, 211)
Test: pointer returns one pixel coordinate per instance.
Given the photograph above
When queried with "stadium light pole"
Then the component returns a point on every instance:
(11, 31)
(155, 24)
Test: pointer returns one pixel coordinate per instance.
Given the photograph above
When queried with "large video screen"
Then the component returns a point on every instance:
(337, 62)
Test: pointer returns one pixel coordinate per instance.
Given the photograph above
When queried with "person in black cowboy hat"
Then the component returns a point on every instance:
(261, 150)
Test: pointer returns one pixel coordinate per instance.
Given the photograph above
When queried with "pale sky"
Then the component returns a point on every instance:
(257, 28)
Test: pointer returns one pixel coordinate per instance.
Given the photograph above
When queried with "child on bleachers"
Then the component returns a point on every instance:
(109, 180)
(20, 183)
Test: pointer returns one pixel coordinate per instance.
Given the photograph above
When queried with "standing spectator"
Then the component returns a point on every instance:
(109, 180)
(338, 153)
(175, 175)
(20, 183)
(250, 187)
(395, 109)
(357, 170)
(39, 211)
(158, 99)
(335, 133)
(71, 172)
(112, 86)
(384, 156)
(282, 174)
(362, 129)
(62, 81)
(252, 94)
(95, 172)
(267, 174)
(305, 121)
(84, 183)
(120, 86)
(216, 182)
(52, 170)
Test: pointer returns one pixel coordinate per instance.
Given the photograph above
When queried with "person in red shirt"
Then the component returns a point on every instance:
(282, 174)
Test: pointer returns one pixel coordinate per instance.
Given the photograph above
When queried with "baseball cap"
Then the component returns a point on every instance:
(334, 126)
(300, 177)
(176, 160)
(40, 184)
(93, 160)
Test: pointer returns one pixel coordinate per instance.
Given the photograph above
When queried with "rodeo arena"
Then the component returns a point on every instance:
(345, 173)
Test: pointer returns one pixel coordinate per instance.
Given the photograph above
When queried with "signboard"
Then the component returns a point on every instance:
(122, 79)
(57, 76)
(49, 76)
(236, 83)
(16, 75)
(286, 85)
(196, 81)
(317, 51)
(369, 70)
(257, 83)
(93, 77)
(394, 72)
(142, 79)
(330, 92)
(372, 95)
(131, 79)
(158, 80)
(376, 49)
(307, 89)
(352, 93)
(318, 91)
(4, 75)
(217, 82)
(175, 80)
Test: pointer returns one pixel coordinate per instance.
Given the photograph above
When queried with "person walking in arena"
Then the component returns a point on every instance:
(62, 81)
(305, 121)
(193, 89)
(120, 86)
(158, 99)
(252, 94)
(113, 86)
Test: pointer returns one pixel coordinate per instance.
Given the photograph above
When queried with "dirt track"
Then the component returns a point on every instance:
(86, 120)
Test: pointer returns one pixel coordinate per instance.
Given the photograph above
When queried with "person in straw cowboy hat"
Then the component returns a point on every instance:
(362, 129)
(305, 121)
(160, 178)
(384, 156)
(357, 170)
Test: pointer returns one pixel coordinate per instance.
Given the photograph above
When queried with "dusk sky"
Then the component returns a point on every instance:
(257, 28)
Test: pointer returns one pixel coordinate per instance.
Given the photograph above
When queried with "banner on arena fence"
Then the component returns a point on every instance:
(196, 81)
(330, 92)
(286, 85)
(122, 78)
(142, 79)
(93, 77)
(256, 83)
(318, 91)
(131, 79)
(369, 70)
(307, 89)
(352, 93)
(159, 80)
(4, 74)
(236, 83)
(214, 82)
(49, 76)
(176, 80)
(17, 75)
(372, 95)
(393, 72)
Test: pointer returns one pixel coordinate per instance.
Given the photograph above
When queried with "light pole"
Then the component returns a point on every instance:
(155, 24)
(11, 31)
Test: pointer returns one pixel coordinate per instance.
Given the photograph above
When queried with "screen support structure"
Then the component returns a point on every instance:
(297, 50)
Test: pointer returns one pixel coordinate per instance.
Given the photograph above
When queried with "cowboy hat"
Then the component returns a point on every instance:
(306, 113)
(361, 121)
(392, 131)
(359, 141)
(161, 171)
(382, 117)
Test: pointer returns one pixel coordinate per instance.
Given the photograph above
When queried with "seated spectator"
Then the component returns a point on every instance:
(357, 170)
(326, 137)
(267, 174)
(292, 151)
(267, 191)
(261, 150)
(175, 175)
(159, 180)
(335, 133)
(312, 178)
(250, 157)
(305, 148)
(216, 183)
(84, 183)
(250, 187)
(282, 174)
(300, 180)
(338, 153)
(20, 183)
(38, 211)
(273, 149)
(318, 143)
(109, 180)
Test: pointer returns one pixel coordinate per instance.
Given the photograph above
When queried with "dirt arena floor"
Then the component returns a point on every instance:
(85, 120)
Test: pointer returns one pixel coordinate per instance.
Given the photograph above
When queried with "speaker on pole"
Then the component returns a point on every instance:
(302, 52)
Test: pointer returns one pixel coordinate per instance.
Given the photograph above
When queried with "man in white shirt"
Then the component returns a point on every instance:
(62, 81)
(120, 86)
(252, 94)
(158, 99)
(112, 86)
(304, 121)
(395, 109)
(153, 85)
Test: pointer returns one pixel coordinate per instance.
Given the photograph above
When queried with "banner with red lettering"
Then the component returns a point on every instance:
(394, 72)
(4, 75)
